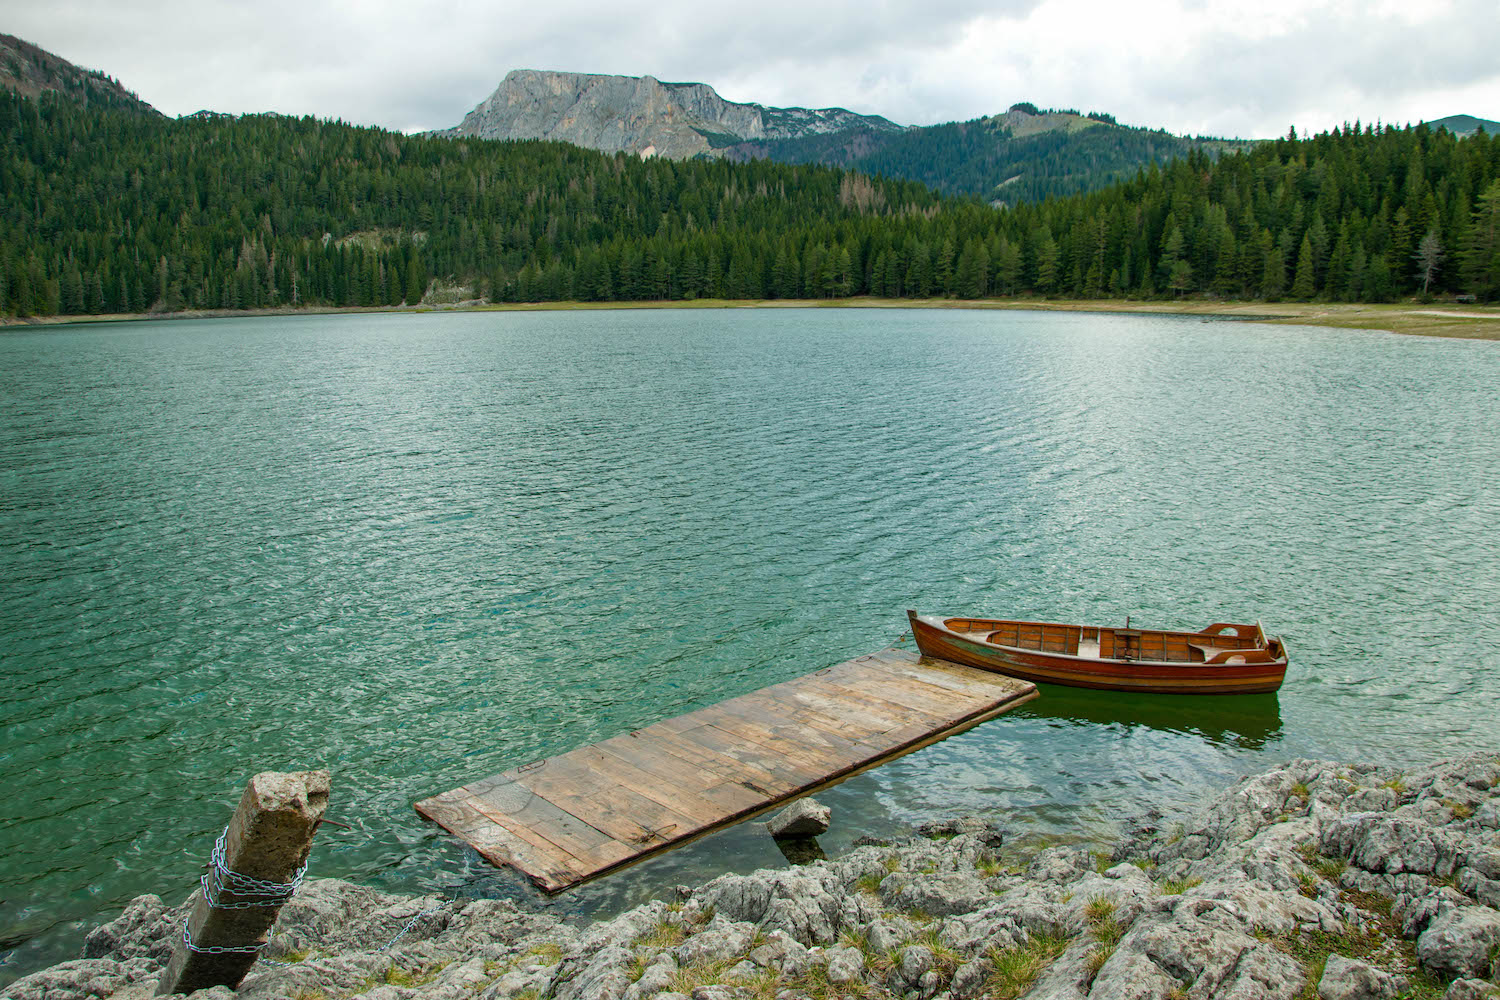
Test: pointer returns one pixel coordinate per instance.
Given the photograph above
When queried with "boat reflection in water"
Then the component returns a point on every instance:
(1246, 722)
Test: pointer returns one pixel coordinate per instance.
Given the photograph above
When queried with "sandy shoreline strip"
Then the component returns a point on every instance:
(1467, 322)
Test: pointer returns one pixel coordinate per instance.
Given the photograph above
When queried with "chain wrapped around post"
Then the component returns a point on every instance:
(257, 864)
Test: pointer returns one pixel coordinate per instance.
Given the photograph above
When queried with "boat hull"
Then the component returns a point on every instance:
(1156, 677)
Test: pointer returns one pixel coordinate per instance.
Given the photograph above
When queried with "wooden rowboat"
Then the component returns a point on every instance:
(1224, 658)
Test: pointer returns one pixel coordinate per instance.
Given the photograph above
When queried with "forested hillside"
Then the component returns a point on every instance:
(30, 70)
(983, 158)
(110, 211)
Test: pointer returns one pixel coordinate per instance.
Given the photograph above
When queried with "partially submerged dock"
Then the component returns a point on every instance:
(566, 819)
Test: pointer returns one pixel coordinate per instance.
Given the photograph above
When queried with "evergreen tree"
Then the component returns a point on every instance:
(1482, 256)
(1303, 283)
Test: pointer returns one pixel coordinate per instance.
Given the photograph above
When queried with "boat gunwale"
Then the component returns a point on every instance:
(942, 623)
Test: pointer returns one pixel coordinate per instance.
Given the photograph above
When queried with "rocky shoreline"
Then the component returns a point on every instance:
(1311, 880)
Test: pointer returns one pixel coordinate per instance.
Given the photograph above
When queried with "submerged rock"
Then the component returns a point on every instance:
(803, 818)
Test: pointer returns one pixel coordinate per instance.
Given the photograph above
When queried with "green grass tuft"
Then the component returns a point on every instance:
(1013, 970)
(1331, 868)
(1177, 886)
(662, 936)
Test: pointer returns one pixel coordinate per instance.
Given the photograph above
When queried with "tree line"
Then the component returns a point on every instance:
(108, 211)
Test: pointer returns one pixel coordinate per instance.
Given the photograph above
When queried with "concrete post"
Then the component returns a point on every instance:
(268, 840)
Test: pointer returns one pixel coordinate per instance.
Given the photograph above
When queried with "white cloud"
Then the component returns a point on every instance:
(1231, 67)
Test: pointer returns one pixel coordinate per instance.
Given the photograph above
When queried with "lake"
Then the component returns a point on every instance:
(420, 549)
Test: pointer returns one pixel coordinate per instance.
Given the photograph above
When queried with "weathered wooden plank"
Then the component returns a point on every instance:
(624, 814)
(872, 714)
(670, 794)
(600, 807)
(875, 681)
(547, 862)
(785, 772)
(525, 810)
(727, 793)
(742, 769)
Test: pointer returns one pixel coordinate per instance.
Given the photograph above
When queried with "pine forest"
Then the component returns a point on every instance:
(114, 211)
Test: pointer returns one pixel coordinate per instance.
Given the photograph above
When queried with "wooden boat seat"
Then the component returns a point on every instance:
(1209, 652)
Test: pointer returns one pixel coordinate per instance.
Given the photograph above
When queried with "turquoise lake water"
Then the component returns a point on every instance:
(420, 549)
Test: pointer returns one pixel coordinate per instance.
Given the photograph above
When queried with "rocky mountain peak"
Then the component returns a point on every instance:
(640, 114)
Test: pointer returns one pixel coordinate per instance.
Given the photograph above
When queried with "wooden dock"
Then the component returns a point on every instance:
(570, 818)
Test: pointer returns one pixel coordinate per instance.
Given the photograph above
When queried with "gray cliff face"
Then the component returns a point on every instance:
(638, 114)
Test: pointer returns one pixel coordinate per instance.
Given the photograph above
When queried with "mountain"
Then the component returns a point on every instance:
(1465, 124)
(642, 115)
(1022, 155)
(31, 71)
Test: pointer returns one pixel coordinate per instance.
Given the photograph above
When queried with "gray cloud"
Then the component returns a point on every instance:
(410, 67)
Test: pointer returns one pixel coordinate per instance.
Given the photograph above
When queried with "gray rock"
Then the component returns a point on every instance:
(1131, 975)
(654, 980)
(845, 965)
(718, 991)
(1371, 800)
(916, 961)
(1485, 861)
(889, 933)
(741, 971)
(1389, 842)
(970, 977)
(638, 114)
(1457, 943)
(147, 928)
(1351, 979)
(84, 978)
(1210, 952)
(937, 895)
(1484, 890)
(720, 939)
(783, 954)
(803, 818)
(1471, 989)
(970, 826)
(811, 903)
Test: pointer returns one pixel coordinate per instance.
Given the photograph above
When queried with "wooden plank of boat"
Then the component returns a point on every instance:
(1231, 658)
(601, 807)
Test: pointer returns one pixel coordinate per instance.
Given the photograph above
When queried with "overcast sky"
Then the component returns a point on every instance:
(1247, 68)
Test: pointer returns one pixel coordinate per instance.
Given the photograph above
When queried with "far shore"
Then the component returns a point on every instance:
(1469, 322)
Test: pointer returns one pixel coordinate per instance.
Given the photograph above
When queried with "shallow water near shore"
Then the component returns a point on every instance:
(420, 549)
